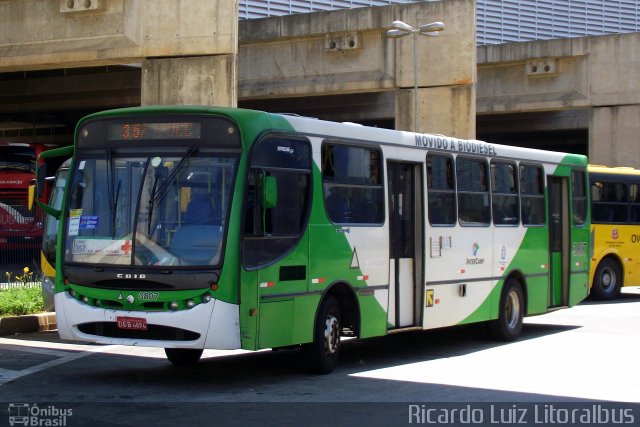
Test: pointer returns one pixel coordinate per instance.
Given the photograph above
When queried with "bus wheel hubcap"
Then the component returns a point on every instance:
(332, 334)
(512, 310)
(608, 279)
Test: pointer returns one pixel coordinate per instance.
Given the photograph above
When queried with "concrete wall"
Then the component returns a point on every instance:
(347, 52)
(200, 80)
(596, 74)
(188, 51)
(614, 137)
(41, 34)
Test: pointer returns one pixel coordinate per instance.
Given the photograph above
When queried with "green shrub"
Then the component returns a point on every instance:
(21, 300)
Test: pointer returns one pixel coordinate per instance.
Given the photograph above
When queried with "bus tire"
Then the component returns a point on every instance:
(322, 354)
(508, 325)
(607, 281)
(183, 356)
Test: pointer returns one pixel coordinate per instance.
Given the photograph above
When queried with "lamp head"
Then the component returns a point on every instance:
(431, 29)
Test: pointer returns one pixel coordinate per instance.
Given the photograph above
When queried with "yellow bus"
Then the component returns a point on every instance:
(615, 229)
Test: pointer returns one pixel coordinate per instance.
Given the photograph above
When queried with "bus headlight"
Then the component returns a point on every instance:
(173, 305)
(190, 303)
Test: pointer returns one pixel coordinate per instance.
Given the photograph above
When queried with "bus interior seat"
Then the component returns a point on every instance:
(197, 240)
(337, 206)
(199, 211)
(365, 211)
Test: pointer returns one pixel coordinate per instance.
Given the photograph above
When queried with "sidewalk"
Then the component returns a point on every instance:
(28, 323)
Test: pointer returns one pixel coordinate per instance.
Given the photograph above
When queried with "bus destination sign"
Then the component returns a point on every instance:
(131, 131)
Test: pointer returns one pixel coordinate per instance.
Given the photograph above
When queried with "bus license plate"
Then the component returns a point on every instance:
(135, 323)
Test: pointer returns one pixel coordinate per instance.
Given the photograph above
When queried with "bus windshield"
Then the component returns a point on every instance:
(153, 210)
(49, 237)
(17, 158)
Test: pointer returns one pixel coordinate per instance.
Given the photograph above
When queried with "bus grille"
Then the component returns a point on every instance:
(153, 332)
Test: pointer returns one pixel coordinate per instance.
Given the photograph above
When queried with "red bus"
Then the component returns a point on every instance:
(20, 227)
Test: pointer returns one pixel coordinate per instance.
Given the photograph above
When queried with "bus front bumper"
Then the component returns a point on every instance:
(213, 325)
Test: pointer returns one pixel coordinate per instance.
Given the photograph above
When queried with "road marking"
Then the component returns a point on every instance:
(45, 351)
(68, 355)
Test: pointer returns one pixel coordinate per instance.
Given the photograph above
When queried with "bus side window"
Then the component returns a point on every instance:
(634, 200)
(352, 185)
(609, 201)
(441, 188)
(272, 231)
(579, 196)
(504, 193)
(474, 207)
(532, 195)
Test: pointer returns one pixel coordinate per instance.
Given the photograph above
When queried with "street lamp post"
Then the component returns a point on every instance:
(401, 29)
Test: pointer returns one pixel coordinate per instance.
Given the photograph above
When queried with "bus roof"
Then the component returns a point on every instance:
(617, 170)
(351, 131)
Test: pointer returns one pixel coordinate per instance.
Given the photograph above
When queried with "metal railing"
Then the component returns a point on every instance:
(20, 242)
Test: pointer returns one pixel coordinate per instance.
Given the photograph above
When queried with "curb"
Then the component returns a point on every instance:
(28, 323)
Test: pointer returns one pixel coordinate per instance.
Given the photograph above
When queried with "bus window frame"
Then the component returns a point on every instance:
(486, 193)
(516, 194)
(263, 169)
(543, 196)
(380, 186)
(585, 197)
(611, 179)
(452, 191)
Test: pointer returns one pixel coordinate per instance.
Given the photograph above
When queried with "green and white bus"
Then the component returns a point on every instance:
(194, 228)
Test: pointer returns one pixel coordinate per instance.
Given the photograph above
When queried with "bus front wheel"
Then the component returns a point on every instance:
(607, 281)
(183, 356)
(322, 354)
(508, 325)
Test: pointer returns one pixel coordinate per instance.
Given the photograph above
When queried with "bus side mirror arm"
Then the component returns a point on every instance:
(269, 197)
(48, 209)
(269, 192)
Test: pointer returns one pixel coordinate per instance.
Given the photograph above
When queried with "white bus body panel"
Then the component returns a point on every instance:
(463, 257)
(450, 260)
(217, 322)
(369, 248)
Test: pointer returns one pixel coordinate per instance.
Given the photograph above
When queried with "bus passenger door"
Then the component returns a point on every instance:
(559, 241)
(405, 244)
(276, 244)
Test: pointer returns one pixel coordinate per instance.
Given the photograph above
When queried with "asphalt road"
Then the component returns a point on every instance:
(576, 358)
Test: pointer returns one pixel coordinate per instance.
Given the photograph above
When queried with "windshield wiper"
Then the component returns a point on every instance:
(113, 201)
(114, 211)
(158, 193)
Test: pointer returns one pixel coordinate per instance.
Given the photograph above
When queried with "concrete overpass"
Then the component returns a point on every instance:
(567, 94)
(565, 86)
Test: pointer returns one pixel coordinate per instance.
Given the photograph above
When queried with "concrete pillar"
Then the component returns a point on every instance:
(613, 136)
(200, 80)
(446, 70)
(447, 110)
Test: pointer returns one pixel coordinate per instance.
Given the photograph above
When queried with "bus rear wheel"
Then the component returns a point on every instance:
(183, 356)
(607, 281)
(322, 354)
(508, 325)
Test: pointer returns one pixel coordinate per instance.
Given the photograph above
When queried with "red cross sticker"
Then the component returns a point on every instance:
(126, 247)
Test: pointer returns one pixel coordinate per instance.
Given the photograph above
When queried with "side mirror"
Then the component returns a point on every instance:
(269, 192)
(31, 194)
